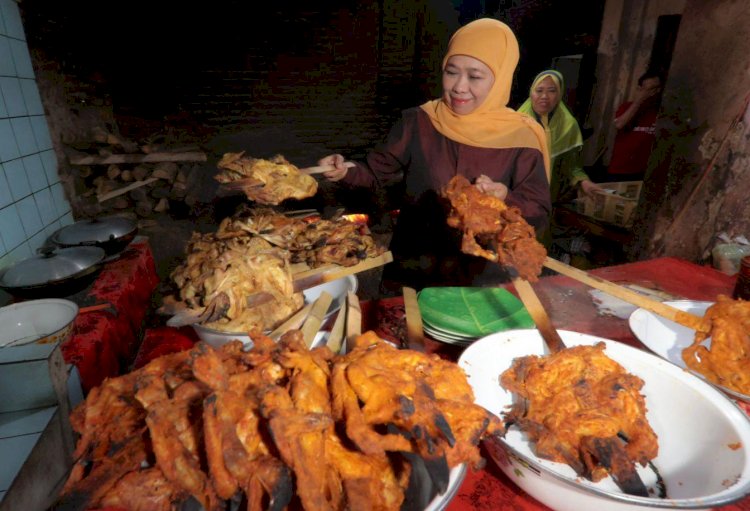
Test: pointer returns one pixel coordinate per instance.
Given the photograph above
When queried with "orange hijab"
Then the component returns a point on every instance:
(492, 124)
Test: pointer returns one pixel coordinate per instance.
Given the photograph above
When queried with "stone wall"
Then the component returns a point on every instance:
(696, 184)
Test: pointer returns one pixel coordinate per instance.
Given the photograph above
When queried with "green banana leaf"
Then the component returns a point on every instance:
(473, 311)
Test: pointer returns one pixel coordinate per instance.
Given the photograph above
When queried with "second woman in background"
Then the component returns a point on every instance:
(563, 136)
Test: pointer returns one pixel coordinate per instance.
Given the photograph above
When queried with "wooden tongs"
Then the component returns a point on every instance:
(666, 311)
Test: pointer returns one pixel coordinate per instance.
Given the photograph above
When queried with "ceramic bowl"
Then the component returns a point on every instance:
(45, 320)
(704, 437)
(337, 288)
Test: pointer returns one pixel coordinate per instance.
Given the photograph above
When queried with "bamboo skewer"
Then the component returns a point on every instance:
(315, 318)
(353, 319)
(325, 168)
(537, 312)
(414, 326)
(681, 317)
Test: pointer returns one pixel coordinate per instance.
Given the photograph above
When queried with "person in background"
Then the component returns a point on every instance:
(468, 131)
(636, 127)
(563, 136)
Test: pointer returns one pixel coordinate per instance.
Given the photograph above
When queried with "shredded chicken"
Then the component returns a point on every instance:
(228, 271)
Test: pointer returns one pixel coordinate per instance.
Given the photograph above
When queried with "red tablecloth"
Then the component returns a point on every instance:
(104, 342)
(570, 306)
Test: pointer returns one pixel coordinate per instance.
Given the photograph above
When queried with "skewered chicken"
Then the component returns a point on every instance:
(265, 181)
(494, 230)
(269, 424)
(580, 407)
(727, 361)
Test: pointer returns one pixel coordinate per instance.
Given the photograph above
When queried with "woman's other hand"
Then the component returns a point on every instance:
(337, 161)
(589, 188)
(486, 185)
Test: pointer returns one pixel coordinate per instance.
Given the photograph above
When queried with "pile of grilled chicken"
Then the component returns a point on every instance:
(493, 230)
(313, 241)
(277, 427)
(265, 181)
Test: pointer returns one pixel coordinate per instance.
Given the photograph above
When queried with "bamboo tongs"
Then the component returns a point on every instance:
(681, 317)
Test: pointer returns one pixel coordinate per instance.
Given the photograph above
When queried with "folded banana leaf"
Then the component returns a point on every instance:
(472, 311)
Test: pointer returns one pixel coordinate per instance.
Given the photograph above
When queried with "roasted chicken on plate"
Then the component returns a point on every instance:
(580, 407)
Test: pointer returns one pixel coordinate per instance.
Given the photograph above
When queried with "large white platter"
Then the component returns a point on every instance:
(667, 338)
(704, 454)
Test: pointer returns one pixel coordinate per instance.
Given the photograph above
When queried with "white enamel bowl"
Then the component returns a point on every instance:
(704, 437)
(337, 288)
(45, 320)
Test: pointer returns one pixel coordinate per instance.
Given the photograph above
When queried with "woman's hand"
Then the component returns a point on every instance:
(337, 161)
(486, 185)
(589, 188)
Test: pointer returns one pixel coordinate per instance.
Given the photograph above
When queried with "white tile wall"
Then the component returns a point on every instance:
(32, 200)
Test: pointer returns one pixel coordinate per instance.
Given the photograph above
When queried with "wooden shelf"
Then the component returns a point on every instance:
(86, 159)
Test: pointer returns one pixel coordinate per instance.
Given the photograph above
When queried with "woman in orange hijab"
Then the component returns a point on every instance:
(468, 131)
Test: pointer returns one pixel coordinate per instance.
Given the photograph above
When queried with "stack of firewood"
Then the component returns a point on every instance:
(115, 175)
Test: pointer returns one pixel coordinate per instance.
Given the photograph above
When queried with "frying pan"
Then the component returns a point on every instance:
(112, 233)
(55, 273)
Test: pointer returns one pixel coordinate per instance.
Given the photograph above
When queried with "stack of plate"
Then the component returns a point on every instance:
(461, 315)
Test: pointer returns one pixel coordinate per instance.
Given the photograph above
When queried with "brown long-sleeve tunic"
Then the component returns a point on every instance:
(426, 251)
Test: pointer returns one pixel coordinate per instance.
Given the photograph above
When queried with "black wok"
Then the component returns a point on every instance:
(54, 273)
(112, 234)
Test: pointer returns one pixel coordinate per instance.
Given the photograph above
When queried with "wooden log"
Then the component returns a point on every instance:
(144, 208)
(141, 172)
(162, 205)
(160, 190)
(120, 203)
(113, 171)
(139, 194)
(166, 170)
(135, 158)
(125, 189)
(127, 176)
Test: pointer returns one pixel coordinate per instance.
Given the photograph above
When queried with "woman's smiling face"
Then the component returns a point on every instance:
(466, 83)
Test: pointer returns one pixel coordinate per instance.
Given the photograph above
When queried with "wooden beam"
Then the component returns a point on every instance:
(126, 189)
(136, 158)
